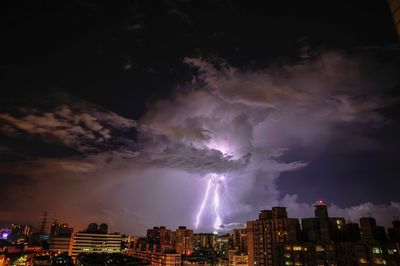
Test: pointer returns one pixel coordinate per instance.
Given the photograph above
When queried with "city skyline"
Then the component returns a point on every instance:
(271, 239)
(137, 114)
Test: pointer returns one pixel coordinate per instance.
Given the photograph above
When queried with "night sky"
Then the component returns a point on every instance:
(117, 111)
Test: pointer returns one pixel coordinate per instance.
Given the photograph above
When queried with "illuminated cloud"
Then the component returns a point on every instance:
(237, 122)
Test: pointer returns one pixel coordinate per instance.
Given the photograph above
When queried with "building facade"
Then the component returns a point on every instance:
(82, 242)
(158, 258)
(272, 227)
(183, 241)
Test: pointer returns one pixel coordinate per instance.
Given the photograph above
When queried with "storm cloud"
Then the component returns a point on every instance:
(237, 122)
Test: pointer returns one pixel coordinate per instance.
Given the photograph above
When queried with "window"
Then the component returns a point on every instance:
(392, 251)
(376, 250)
(379, 261)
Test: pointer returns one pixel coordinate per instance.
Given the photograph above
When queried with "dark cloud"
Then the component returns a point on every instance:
(243, 123)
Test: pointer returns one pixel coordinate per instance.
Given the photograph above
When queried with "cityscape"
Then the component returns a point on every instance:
(272, 239)
(200, 133)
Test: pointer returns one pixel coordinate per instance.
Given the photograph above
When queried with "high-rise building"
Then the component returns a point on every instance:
(237, 259)
(361, 253)
(368, 228)
(272, 227)
(321, 214)
(310, 229)
(165, 239)
(394, 232)
(221, 246)
(159, 239)
(153, 238)
(395, 9)
(239, 240)
(323, 228)
(307, 253)
(370, 232)
(204, 241)
(352, 232)
(183, 240)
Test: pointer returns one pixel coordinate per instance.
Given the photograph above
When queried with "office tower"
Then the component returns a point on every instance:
(239, 240)
(94, 242)
(395, 10)
(270, 229)
(183, 241)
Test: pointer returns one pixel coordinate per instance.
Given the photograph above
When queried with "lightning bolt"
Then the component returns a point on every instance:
(216, 181)
(218, 220)
(198, 216)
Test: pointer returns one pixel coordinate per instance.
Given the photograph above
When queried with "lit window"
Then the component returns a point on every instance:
(379, 261)
(376, 250)
(297, 248)
(392, 251)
